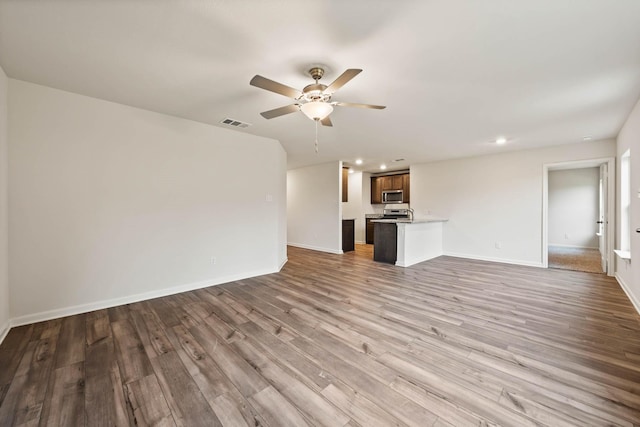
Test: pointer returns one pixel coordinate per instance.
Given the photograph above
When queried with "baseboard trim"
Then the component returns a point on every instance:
(114, 302)
(415, 261)
(4, 330)
(316, 248)
(492, 259)
(286, 259)
(627, 290)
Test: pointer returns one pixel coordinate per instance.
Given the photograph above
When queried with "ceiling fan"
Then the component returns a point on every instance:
(314, 100)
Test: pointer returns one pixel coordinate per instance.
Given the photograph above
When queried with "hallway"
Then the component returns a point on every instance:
(576, 259)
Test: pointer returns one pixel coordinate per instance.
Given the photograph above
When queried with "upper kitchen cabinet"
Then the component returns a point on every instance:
(386, 183)
(379, 184)
(397, 182)
(390, 182)
(345, 184)
(376, 190)
(406, 190)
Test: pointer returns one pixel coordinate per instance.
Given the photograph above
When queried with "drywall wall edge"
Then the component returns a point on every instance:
(627, 290)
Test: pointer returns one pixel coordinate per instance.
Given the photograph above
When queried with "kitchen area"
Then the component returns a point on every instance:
(398, 236)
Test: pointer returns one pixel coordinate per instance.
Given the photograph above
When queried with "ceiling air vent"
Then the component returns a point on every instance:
(235, 123)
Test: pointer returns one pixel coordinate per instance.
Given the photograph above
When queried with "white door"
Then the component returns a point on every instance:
(603, 217)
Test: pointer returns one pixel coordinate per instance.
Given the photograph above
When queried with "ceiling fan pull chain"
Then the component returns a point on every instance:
(316, 120)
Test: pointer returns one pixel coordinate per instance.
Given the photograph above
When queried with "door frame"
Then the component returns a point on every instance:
(611, 205)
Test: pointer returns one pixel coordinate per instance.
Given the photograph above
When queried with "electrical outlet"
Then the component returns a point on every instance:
(213, 260)
(566, 235)
(498, 245)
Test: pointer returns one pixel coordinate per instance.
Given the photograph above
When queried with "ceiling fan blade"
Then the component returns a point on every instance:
(270, 85)
(342, 80)
(277, 112)
(350, 104)
(326, 121)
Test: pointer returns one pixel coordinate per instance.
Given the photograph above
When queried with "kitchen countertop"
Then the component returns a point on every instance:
(407, 221)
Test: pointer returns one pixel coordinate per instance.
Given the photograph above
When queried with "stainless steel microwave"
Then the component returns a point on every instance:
(392, 196)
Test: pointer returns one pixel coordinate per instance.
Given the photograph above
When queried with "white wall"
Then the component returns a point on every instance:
(628, 273)
(279, 167)
(574, 207)
(353, 207)
(109, 203)
(4, 209)
(314, 207)
(493, 199)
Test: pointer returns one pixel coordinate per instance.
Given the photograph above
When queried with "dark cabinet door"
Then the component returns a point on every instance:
(345, 184)
(386, 183)
(348, 235)
(369, 227)
(376, 190)
(385, 242)
(406, 190)
(396, 182)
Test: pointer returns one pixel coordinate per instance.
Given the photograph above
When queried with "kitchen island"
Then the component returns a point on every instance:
(405, 243)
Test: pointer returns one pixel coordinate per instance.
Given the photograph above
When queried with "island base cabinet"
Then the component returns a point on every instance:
(418, 242)
(385, 242)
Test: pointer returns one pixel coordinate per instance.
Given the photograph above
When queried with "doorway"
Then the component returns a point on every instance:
(578, 206)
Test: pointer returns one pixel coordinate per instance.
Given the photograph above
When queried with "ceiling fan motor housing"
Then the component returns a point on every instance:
(315, 92)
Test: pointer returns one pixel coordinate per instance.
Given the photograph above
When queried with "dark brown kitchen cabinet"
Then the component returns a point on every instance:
(348, 235)
(396, 182)
(386, 183)
(369, 227)
(345, 184)
(376, 190)
(389, 183)
(385, 243)
(406, 190)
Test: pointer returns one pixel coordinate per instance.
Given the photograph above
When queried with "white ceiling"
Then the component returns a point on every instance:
(454, 74)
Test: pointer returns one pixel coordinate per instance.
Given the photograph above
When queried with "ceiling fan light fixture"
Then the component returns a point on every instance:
(316, 110)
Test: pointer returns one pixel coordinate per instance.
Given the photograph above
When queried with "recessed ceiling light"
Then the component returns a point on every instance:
(383, 167)
(587, 138)
(358, 161)
(350, 170)
(501, 140)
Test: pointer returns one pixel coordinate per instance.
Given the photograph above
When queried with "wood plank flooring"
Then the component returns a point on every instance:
(338, 340)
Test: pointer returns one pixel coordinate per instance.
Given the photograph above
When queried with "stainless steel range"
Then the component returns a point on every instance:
(397, 211)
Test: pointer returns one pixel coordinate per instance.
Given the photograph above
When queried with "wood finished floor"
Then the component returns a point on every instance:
(339, 340)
